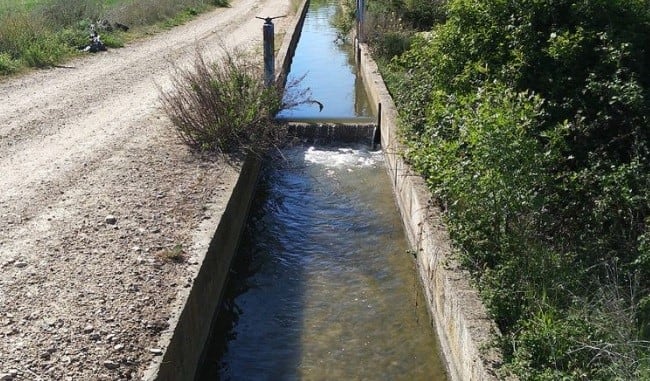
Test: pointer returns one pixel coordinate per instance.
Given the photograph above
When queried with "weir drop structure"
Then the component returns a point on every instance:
(465, 331)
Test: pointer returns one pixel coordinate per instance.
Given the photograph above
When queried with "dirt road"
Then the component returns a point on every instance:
(96, 192)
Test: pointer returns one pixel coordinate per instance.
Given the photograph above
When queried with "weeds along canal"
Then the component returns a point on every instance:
(323, 287)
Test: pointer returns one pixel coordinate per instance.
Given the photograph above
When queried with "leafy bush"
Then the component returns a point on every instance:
(224, 106)
(391, 24)
(7, 64)
(423, 14)
(529, 121)
(344, 19)
(45, 52)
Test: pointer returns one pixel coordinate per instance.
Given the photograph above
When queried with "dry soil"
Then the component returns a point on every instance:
(96, 194)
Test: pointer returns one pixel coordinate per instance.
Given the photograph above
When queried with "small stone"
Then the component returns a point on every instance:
(89, 328)
(118, 347)
(111, 364)
(110, 219)
(20, 264)
(156, 351)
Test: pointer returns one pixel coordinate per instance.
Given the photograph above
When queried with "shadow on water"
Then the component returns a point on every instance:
(256, 331)
(322, 287)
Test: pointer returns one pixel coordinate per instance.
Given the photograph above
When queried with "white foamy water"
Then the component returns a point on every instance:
(343, 157)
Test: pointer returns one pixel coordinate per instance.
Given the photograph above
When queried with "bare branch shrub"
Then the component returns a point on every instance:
(224, 106)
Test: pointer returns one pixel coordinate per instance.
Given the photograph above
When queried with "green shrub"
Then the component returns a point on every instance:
(65, 13)
(113, 40)
(529, 122)
(45, 52)
(224, 106)
(7, 64)
(423, 14)
(344, 19)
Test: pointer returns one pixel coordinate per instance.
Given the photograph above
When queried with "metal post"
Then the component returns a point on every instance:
(269, 52)
(361, 6)
(269, 49)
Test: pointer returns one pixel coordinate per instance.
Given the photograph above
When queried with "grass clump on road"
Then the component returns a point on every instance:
(224, 106)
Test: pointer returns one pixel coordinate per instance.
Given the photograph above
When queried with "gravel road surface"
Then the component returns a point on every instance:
(96, 193)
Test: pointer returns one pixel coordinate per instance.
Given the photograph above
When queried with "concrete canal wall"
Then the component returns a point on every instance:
(216, 241)
(462, 323)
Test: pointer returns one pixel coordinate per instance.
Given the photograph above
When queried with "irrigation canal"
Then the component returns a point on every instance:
(323, 287)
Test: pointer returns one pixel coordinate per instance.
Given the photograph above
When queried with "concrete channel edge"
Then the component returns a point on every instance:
(465, 331)
(215, 242)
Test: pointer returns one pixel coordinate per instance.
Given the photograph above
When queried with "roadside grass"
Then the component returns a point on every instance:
(43, 33)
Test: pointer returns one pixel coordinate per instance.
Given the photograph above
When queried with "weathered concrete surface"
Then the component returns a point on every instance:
(190, 325)
(461, 320)
(325, 133)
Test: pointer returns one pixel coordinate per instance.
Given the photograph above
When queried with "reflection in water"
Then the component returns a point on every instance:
(328, 67)
(323, 288)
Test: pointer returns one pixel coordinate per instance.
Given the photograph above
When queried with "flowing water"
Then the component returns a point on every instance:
(327, 67)
(323, 287)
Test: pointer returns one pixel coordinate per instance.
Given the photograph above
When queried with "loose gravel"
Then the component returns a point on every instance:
(98, 202)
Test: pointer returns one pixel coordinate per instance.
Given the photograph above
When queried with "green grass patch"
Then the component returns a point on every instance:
(8, 65)
(42, 33)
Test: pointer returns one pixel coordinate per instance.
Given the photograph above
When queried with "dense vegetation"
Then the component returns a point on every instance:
(529, 121)
(41, 33)
(225, 106)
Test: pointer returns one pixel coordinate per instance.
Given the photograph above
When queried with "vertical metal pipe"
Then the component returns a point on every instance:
(361, 6)
(269, 50)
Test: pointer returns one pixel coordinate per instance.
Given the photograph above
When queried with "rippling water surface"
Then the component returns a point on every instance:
(323, 288)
